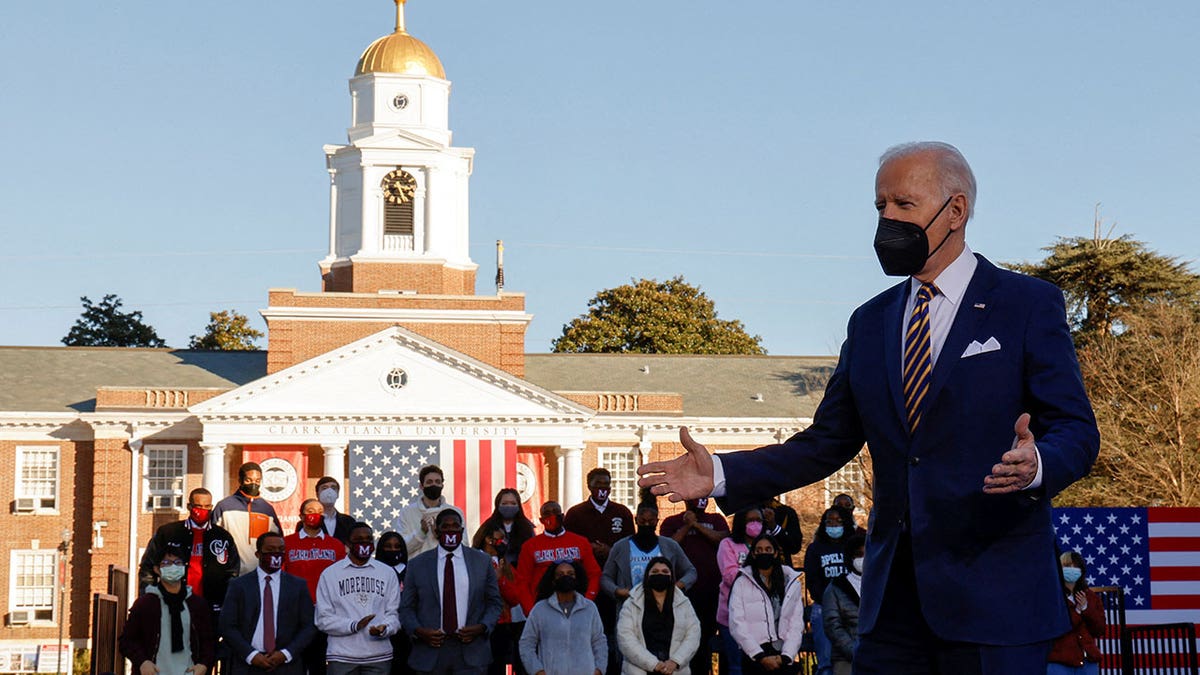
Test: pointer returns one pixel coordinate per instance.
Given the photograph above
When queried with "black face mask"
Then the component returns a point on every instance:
(564, 584)
(903, 247)
(390, 558)
(658, 582)
(645, 538)
(764, 561)
(250, 489)
(501, 548)
(432, 491)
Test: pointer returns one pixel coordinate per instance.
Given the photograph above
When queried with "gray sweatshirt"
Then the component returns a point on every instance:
(564, 644)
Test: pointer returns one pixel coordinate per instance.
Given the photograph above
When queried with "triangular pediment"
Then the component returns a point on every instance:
(394, 373)
(400, 139)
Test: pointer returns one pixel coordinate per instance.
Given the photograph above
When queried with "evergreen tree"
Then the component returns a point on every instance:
(105, 325)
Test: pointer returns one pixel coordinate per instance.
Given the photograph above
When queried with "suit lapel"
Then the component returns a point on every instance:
(893, 327)
(972, 310)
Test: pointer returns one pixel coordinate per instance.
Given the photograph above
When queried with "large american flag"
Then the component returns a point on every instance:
(383, 476)
(1152, 553)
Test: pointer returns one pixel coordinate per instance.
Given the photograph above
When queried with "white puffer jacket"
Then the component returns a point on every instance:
(685, 637)
(752, 621)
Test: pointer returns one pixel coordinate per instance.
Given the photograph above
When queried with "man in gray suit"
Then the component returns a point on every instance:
(450, 603)
(267, 618)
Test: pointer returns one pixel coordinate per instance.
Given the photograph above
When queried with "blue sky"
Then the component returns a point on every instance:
(170, 152)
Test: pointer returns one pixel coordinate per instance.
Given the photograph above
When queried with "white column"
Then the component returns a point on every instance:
(561, 479)
(335, 468)
(644, 445)
(214, 469)
(333, 207)
(571, 474)
(420, 174)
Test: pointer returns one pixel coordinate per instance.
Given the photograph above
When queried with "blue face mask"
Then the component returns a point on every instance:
(835, 531)
(1072, 574)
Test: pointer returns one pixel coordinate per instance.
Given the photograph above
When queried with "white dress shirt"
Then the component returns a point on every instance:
(462, 583)
(952, 286)
(257, 640)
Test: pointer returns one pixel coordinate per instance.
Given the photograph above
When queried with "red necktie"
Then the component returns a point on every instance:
(449, 601)
(268, 618)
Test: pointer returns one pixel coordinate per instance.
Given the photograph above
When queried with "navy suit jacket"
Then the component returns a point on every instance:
(294, 627)
(421, 604)
(986, 567)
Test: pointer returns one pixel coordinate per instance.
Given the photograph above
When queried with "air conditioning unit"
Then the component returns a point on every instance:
(157, 502)
(19, 618)
(25, 504)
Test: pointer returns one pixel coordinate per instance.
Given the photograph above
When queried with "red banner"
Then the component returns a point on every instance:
(285, 474)
(530, 483)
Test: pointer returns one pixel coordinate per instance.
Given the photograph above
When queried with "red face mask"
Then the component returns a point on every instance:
(313, 520)
(199, 514)
(551, 523)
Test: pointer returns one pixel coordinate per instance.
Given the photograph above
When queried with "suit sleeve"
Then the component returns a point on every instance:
(1063, 424)
(494, 604)
(835, 437)
(306, 630)
(408, 602)
(230, 621)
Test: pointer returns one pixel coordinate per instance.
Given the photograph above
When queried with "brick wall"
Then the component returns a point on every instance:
(422, 277)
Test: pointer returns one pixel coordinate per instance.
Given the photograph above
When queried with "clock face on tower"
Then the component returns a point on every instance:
(400, 101)
(399, 187)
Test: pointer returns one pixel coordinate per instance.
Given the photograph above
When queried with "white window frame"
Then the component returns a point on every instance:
(621, 484)
(849, 479)
(54, 594)
(176, 498)
(18, 493)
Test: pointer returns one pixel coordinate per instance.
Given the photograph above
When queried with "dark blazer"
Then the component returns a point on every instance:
(421, 605)
(986, 567)
(294, 627)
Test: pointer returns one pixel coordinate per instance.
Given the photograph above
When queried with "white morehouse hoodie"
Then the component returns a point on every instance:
(752, 621)
(345, 594)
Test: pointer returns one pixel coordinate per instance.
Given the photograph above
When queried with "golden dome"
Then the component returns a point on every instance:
(400, 53)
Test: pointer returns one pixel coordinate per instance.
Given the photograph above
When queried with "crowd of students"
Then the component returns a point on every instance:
(601, 590)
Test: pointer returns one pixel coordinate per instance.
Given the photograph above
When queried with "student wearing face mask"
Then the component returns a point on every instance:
(766, 611)
(391, 552)
(839, 606)
(699, 533)
(657, 630)
(309, 551)
(1076, 652)
(630, 557)
(337, 525)
(731, 556)
(415, 522)
(170, 628)
(824, 562)
(508, 515)
(246, 516)
(564, 634)
(555, 544)
(504, 638)
(357, 602)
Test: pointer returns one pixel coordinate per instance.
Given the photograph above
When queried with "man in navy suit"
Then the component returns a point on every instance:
(962, 381)
(262, 640)
(450, 603)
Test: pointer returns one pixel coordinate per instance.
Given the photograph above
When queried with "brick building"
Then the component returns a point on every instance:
(100, 446)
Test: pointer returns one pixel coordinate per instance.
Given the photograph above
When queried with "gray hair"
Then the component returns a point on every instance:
(954, 172)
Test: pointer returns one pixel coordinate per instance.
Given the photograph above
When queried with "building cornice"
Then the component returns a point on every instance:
(397, 315)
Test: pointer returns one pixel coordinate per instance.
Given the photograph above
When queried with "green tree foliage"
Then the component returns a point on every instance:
(105, 325)
(1106, 279)
(1145, 387)
(655, 317)
(226, 331)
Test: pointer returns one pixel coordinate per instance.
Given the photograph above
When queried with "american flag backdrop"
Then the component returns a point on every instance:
(383, 476)
(1152, 553)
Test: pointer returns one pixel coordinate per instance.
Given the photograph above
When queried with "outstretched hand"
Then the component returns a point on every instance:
(688, 476)
(1018, 467)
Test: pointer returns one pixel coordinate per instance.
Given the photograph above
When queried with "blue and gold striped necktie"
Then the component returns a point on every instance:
(918, 356)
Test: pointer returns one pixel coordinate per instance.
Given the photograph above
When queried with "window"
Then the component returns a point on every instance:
(166, 467)
(31, 586)
(622, 463)
(37, 479)
(850, 479)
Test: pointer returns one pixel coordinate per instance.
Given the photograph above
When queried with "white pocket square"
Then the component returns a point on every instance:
(975, 348)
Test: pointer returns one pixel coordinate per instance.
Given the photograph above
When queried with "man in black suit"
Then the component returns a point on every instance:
(267, 619)
(450, 603)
